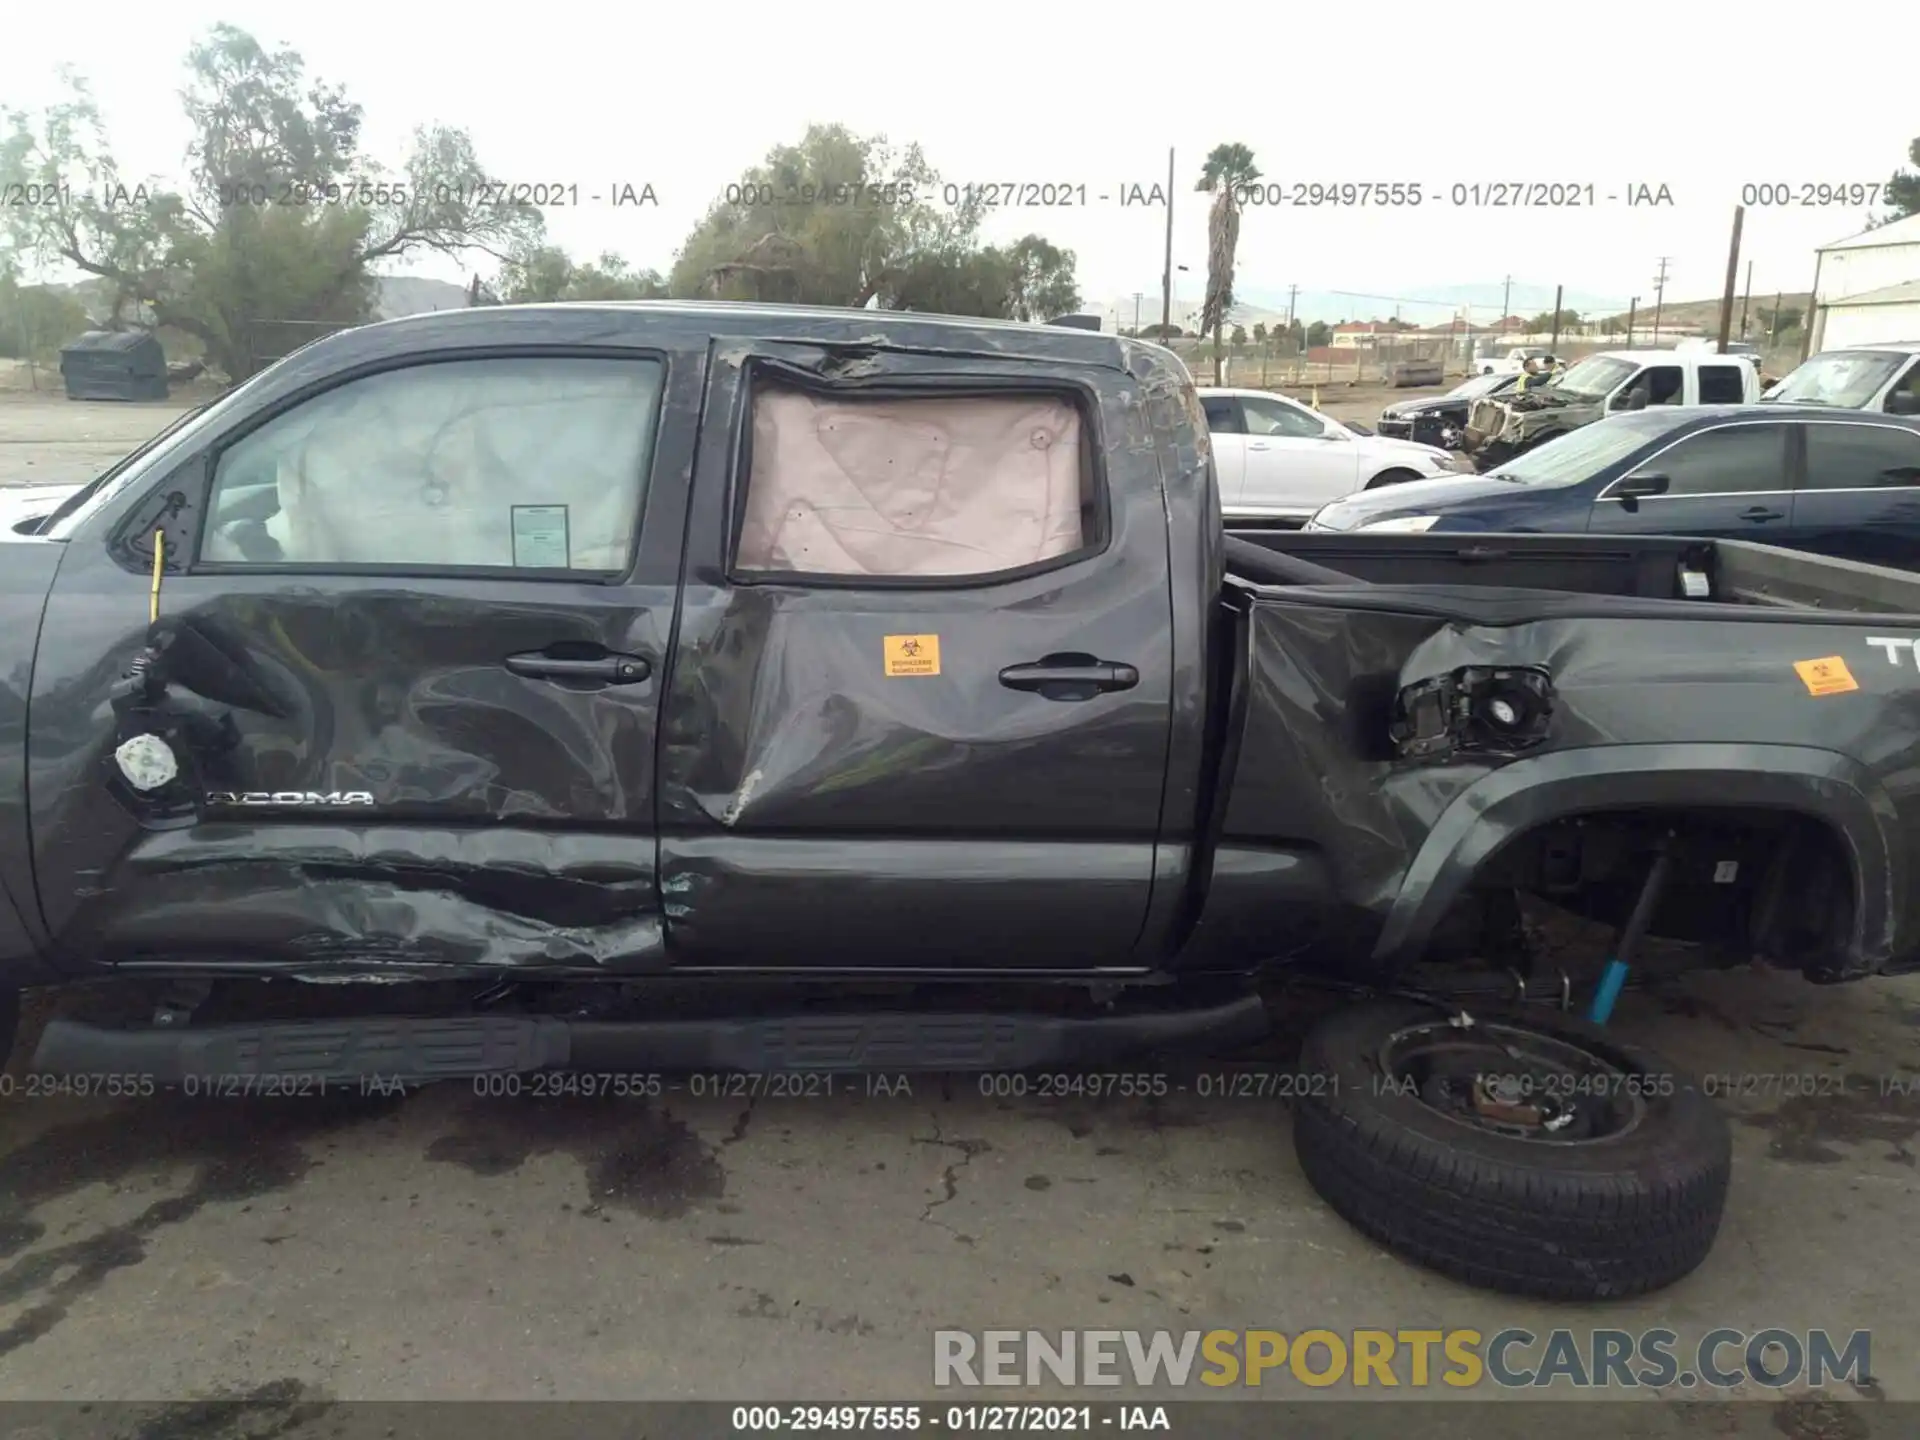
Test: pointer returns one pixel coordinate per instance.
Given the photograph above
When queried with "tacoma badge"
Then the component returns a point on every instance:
(290, 797)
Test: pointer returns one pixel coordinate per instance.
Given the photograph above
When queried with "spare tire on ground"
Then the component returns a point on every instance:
(1524, 1152)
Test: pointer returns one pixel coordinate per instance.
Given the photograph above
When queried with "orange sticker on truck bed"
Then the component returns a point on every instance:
(912, 654)
(1828, 676)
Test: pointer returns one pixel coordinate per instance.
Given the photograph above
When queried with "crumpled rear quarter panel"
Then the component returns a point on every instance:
(1316, 770)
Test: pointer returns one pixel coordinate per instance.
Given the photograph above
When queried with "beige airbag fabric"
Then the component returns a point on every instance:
(424, 466)
(964, 486)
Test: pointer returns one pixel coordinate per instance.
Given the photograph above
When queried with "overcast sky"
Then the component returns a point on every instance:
(686, 96)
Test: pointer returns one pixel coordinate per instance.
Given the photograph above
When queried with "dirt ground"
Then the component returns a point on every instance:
(446, 1244)
(47, 439)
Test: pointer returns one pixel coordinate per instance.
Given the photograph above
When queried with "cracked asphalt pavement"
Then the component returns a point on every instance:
(449, 1244)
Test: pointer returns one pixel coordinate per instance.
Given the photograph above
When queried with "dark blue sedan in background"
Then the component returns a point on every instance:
(1834, 482)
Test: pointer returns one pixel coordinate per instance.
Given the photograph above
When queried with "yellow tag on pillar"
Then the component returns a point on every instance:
(912, 655)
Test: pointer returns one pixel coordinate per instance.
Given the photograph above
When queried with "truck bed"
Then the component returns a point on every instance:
(1718, 572)
(1645, 705)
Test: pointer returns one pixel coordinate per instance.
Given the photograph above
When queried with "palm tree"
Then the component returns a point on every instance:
(1228, 167)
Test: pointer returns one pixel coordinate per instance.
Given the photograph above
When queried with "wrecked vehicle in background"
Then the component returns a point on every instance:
(1501, 427)
(497, 670)
(1441, 420)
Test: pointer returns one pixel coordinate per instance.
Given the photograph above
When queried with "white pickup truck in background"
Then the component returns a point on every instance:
(1500, 427)
(1512, 362)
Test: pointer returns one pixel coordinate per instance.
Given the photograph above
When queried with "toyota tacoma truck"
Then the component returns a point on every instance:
(452, 696)
(1501, 427)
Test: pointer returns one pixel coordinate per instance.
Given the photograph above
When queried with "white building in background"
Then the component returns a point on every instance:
(1867, 290)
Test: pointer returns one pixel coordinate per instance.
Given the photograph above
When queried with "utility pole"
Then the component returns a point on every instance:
(1813, 306)
(1554, 344)
(1136, 314)
(1659, 297)
(1506, 304)
(1745, 296)
(1632, 306)
(1733, 278)
(1166, 276)
(1293, 293)
(1773, 325)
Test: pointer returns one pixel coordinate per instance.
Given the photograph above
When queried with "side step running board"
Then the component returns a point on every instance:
(420, 1049)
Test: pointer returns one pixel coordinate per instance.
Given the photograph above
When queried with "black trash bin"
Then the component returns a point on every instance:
(114, 365)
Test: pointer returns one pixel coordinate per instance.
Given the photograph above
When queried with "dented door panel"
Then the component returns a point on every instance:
(422, 806)
(366, 789)
(819, 812)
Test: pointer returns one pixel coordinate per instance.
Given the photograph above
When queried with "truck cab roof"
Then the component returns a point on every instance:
(636, 323)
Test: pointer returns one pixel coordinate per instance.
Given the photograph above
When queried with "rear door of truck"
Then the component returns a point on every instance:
(420, 607)
(920, 700)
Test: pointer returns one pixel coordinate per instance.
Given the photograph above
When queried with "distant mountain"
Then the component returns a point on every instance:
(396, 295)
(1418, 305)
(414, 295)
(1705, 314)
(1431, 304)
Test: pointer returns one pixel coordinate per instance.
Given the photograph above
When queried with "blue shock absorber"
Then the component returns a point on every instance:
(1614, 977)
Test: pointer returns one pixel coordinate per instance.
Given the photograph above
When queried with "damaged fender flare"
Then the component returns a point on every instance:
(1819, 784)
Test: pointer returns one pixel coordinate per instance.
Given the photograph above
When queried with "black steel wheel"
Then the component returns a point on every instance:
(1528, 1153)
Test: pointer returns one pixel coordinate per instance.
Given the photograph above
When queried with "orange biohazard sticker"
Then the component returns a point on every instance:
(1829, 676)
(912, 654)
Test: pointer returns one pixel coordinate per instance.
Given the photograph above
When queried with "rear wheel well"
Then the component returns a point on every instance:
(1745, 884)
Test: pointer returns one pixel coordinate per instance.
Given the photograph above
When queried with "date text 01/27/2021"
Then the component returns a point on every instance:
(482, 194)
(1309, 194)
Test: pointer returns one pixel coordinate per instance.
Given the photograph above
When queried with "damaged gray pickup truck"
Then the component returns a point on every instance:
(502, 671)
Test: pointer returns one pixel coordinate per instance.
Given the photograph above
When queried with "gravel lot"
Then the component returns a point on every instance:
(444, 1245)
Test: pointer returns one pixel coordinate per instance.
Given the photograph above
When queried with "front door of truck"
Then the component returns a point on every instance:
(412, 633)
(1730, 482)
(921, 697)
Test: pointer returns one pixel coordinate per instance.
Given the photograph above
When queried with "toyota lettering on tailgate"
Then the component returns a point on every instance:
(1894, 647)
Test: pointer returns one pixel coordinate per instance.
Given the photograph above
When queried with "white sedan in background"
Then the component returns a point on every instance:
(1280, 460)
